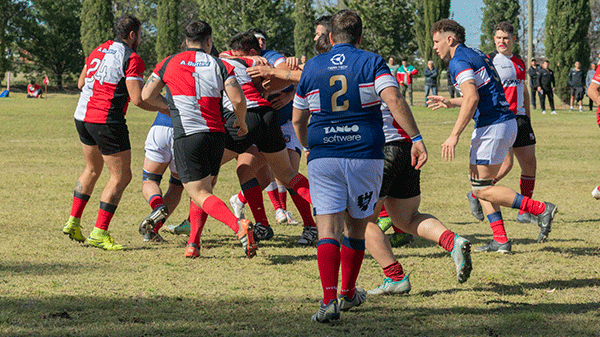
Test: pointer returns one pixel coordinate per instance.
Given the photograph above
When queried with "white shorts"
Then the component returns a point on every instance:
(338, 184)
(289, 135)
(159, 146)
(490, 144)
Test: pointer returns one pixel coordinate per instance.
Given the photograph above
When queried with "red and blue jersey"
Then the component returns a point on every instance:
(104, 96)
(471, 64)
(341, 90)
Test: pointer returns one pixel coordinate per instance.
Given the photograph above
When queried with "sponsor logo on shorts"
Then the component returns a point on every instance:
(531, 136)
(364, 200)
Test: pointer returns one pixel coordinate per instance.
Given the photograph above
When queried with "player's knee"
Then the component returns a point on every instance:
(479, 186)
(147, 176)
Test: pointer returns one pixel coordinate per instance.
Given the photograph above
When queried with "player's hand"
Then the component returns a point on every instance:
(438, 102)
(419, 155)
(292, 62)
(260, 71)
(259, 59)
(166, 112)
(282, 99)
(449, 147)
(243, 128)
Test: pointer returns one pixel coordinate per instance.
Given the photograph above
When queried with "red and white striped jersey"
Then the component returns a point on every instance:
(391, 128)
(195, 82)
(104, 97)
(512, 73)
(253, 97)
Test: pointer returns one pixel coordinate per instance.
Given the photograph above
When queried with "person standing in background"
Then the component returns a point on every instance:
(404, 76)
(533, 72)
(431, 75)
(393, 67)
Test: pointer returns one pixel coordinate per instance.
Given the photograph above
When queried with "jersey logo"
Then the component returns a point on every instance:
(195, 64)
(364, 200)
(338, 59)
(341, 129)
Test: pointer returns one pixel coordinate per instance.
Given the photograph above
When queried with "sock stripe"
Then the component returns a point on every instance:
(355, 244)
(495, 217)
(249, 184)
(328, 241)
(108, 207)
(81, 196)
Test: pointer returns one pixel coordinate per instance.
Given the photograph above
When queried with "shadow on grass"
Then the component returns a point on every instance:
(28, 268)
(253, 316)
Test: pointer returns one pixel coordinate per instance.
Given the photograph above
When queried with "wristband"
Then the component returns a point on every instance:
(417, 138)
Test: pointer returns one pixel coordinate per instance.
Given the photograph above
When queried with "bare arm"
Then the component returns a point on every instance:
(402, 114)
(300, 121)
(149, 96)
(276, 84)
(81, 81)
(238, 100)
(270, 72)
(468, 107)
(526, 101)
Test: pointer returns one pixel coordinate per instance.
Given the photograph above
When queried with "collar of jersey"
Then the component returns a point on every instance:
(196, 49)
(340, 45)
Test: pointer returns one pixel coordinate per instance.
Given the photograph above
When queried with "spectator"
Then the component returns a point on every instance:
(404, 77)
(588, 80)
(576, 82)
(34, 90)
(533, 72)
(302, 59)
(393, 67)
(451, 88)
(545, 86)
(431, 74)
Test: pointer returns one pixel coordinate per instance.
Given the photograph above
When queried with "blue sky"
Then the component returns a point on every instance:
(469, 14)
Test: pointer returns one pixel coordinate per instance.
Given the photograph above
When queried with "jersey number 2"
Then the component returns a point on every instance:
(334, 104)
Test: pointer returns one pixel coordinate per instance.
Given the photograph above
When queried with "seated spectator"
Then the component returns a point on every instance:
(34, 90)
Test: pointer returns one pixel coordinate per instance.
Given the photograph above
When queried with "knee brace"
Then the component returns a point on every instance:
(151, 176)
(175, 181)
(480, 184)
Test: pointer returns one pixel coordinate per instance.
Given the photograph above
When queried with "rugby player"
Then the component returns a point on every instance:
(111, 77)
(593, 92)
(195, 81)
(511, 70)
(340, 92)
(495, 132)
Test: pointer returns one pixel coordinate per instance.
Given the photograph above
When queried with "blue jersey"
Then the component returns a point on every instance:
(274, 58)
(162, 119)
(472, 64)
(341, 89)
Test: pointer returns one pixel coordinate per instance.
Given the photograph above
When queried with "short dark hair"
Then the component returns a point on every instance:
(346, 27)
(245, 42)
(125, 25)
(324, 21)
(259, 31)
(506, 27)
(323, 45)
(32, 82)
(546, 61)
(533, 60)
(198, 31)
(447, 25)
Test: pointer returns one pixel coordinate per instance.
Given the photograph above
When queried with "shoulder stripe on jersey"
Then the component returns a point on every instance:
(161, 72)
(386, 74)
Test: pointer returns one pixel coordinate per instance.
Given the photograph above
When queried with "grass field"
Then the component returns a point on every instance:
(51, 286)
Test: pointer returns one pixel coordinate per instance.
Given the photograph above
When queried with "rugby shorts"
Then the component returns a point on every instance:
(159, 146)
(525, 135)
(263, 131)
(110, 138)
(289, 136)
(338, 184)
(400, 179)
(578, 93)
(198, 156)
(490, 143)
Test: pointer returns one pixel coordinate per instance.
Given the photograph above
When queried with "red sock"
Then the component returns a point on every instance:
(216, 208)
(197, 220)
(526, 183)
(328, 258)
(446, 240)
(242, 197)
(351, 258)
(105, 214)
(273, 195)
(282, 191)
(532, 206)
(394, 271)
(396, 229)
(79, 202)
(300, 184)
(498, 231)
(304, 208)
(254, 195)
(155, 201)
(383, 213)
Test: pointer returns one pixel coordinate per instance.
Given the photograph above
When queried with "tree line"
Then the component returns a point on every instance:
(54, 36)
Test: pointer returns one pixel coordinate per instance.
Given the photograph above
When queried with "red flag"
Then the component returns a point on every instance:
(46, 80)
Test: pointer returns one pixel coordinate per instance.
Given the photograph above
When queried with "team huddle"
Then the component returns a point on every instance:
(343, 107)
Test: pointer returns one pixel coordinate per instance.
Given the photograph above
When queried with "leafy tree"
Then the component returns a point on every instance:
(96, 23)
(494, 12)
(13, 16)
(53, 42)
(387, 26)
(167, 27)
(304, 16)
(426, 14)
(567, 22)
(594, 32)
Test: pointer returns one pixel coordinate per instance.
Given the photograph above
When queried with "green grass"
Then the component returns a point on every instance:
(51, 286)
